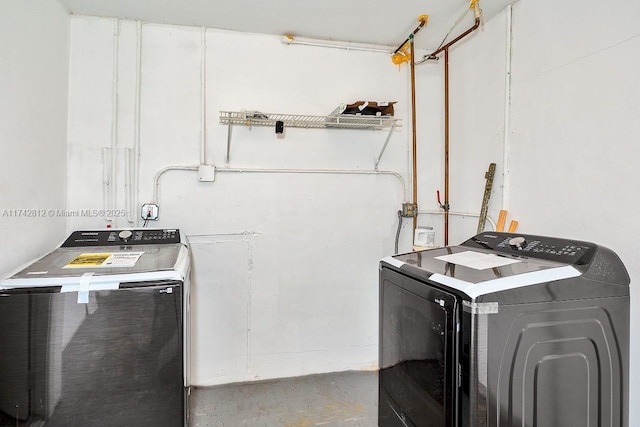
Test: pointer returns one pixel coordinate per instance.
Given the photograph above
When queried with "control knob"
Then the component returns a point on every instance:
(517, 242)
(124, 235)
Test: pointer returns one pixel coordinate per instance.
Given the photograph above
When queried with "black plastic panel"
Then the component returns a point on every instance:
(562, 367)
(113, 238)
(566, 251)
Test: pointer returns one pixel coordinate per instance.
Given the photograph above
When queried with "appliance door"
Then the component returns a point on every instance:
(418, 360)
(116, 361)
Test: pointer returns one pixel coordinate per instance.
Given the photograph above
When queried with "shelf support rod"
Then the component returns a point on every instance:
(384, 147)
(229, 127)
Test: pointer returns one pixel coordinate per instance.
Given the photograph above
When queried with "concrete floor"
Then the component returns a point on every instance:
(328, 400)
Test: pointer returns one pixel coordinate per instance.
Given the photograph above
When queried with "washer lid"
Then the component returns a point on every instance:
(478, 272)
(473, 265)
(105, 264)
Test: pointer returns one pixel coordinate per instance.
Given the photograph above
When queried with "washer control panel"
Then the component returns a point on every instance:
(549, 248)
(122, 237)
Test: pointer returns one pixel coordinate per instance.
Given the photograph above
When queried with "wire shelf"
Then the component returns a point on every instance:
(339, 121)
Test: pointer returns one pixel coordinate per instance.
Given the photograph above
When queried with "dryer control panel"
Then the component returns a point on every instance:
(122, 237)
(548, 248)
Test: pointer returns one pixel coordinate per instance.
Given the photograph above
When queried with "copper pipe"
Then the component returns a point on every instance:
(423, 21)
(445, 49)
(475, 26)
(414, 131)
(446, 146)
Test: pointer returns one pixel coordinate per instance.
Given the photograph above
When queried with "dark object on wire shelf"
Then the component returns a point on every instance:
(369, 108)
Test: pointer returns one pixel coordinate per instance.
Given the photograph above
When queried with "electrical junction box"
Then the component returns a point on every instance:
(206, 173)
(409, 210)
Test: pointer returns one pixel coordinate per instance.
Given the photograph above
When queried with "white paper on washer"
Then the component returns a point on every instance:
(477, 260)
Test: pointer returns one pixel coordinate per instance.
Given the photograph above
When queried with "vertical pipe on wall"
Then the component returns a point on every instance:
(128, 174)
(203, 107)
(445, 49)
(446, 146)
(114, 124)
(106, 177)
(414, 144)
(134, 161)
(507, 110)
(422, 20)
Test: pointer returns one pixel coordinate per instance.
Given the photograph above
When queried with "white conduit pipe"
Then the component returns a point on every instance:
(106, 183)
(475, 215)
(290, 40)
(321, 171)
(203, 96)
(156, 181)
(127, 183)
(114, 122)
(507, 111)
(135, 161)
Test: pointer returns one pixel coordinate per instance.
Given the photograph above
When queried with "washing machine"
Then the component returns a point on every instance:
(96, 333)
(504, 330)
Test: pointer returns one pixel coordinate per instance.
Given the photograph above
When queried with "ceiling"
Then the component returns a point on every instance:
(379, 22)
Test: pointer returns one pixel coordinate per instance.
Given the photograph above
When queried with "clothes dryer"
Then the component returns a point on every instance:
(504, 330)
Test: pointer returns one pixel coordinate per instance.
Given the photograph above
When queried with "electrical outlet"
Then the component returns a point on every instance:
(149, 211)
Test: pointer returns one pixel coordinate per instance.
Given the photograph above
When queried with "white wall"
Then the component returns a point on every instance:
(285, 265)
(574, 134)
(33, 123)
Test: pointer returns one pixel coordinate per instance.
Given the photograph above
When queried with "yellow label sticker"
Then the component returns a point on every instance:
(105, 260)
(89, 260)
